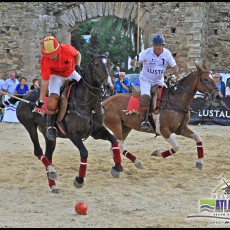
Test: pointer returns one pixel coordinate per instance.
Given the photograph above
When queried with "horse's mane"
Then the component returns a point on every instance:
(184, 78)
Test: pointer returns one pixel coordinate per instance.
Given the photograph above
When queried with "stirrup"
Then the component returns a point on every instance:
(51, 133)
(145, 126)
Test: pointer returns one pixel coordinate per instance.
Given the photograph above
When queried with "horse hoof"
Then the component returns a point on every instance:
(78, 182)
(55, 189)
(199, 165)
(138, 164)
(156, 153)
(115, 173)
(52, 174)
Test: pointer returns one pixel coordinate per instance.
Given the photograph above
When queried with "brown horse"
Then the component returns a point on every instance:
(173, 116)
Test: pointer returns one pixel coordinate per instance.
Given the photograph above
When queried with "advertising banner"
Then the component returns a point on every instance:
(204, 112)
(10, 112)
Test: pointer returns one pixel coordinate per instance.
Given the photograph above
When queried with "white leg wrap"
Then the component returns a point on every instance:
(50, 169)
(172, 141)
(196, 137)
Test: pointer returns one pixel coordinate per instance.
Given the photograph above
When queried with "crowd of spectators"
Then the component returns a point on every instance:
(16, 86)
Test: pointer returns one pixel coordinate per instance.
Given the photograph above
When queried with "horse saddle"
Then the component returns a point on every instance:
(63, 102)
(134, 105)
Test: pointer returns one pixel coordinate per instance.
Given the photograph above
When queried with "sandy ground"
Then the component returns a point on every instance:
(161, 195)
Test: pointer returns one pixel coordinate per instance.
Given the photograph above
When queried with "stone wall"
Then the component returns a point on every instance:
(194, 31)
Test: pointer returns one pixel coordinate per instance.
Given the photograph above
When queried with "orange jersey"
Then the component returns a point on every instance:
(63, 67)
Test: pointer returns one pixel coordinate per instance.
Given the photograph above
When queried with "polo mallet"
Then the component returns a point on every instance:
(18, 98)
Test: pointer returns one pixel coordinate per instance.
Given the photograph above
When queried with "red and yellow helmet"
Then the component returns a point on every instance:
(50, 47)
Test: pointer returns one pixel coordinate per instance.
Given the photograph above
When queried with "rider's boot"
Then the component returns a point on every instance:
(51, 131)
(144, 106)
(52, 105)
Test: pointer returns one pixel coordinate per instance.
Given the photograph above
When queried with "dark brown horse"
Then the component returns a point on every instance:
(173, 117)
(83, 118)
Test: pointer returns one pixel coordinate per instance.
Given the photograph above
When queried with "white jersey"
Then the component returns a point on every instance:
(154, 67)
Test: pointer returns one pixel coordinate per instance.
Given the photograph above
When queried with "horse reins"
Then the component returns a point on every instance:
(191, 92)
(100, 89)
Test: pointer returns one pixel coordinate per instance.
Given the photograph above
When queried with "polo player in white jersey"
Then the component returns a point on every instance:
(154, 62)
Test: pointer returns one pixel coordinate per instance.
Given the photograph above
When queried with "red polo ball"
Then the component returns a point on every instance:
(81, 208)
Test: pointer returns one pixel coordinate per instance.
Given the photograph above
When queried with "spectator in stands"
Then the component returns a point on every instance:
(10, 83)
(122, 85)
(9, 86)
(20, 90)
(113, 81)
(219, 83)
(137, 82)
(1, 84)
(35, 84)
(227, 92)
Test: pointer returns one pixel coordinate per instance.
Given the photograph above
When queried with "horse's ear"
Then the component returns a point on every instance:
(89, 53)
(198, 67)
(205, 67)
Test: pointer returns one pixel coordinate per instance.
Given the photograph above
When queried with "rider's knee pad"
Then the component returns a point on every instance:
(144, 102)
(52, 103)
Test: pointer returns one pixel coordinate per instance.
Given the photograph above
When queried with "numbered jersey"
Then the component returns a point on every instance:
(154, 67)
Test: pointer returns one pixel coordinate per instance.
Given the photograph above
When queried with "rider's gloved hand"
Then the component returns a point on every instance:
(78, 68)
(39, 103)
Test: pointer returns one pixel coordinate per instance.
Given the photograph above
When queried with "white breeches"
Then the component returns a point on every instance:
(56, 81)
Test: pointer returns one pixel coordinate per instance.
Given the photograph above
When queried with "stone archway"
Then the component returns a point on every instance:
(73, 17)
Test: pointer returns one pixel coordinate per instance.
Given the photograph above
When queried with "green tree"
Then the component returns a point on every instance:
(108, 34)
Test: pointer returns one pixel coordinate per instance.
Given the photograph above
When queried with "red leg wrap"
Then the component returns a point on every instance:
(83, 166)
(129, 156)
(44, 160)
(116, 153)
(200, 150)
(51, 182)
(167, 153)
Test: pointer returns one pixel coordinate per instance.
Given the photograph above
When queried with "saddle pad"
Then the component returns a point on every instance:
(134, 104)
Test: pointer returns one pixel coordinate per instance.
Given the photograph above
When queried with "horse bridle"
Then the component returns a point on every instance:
(208, 95)
(200, 79)
(92, 64)
(92, 69)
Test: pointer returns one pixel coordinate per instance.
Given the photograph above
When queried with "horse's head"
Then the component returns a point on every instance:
(206, 84)
(100, 67)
